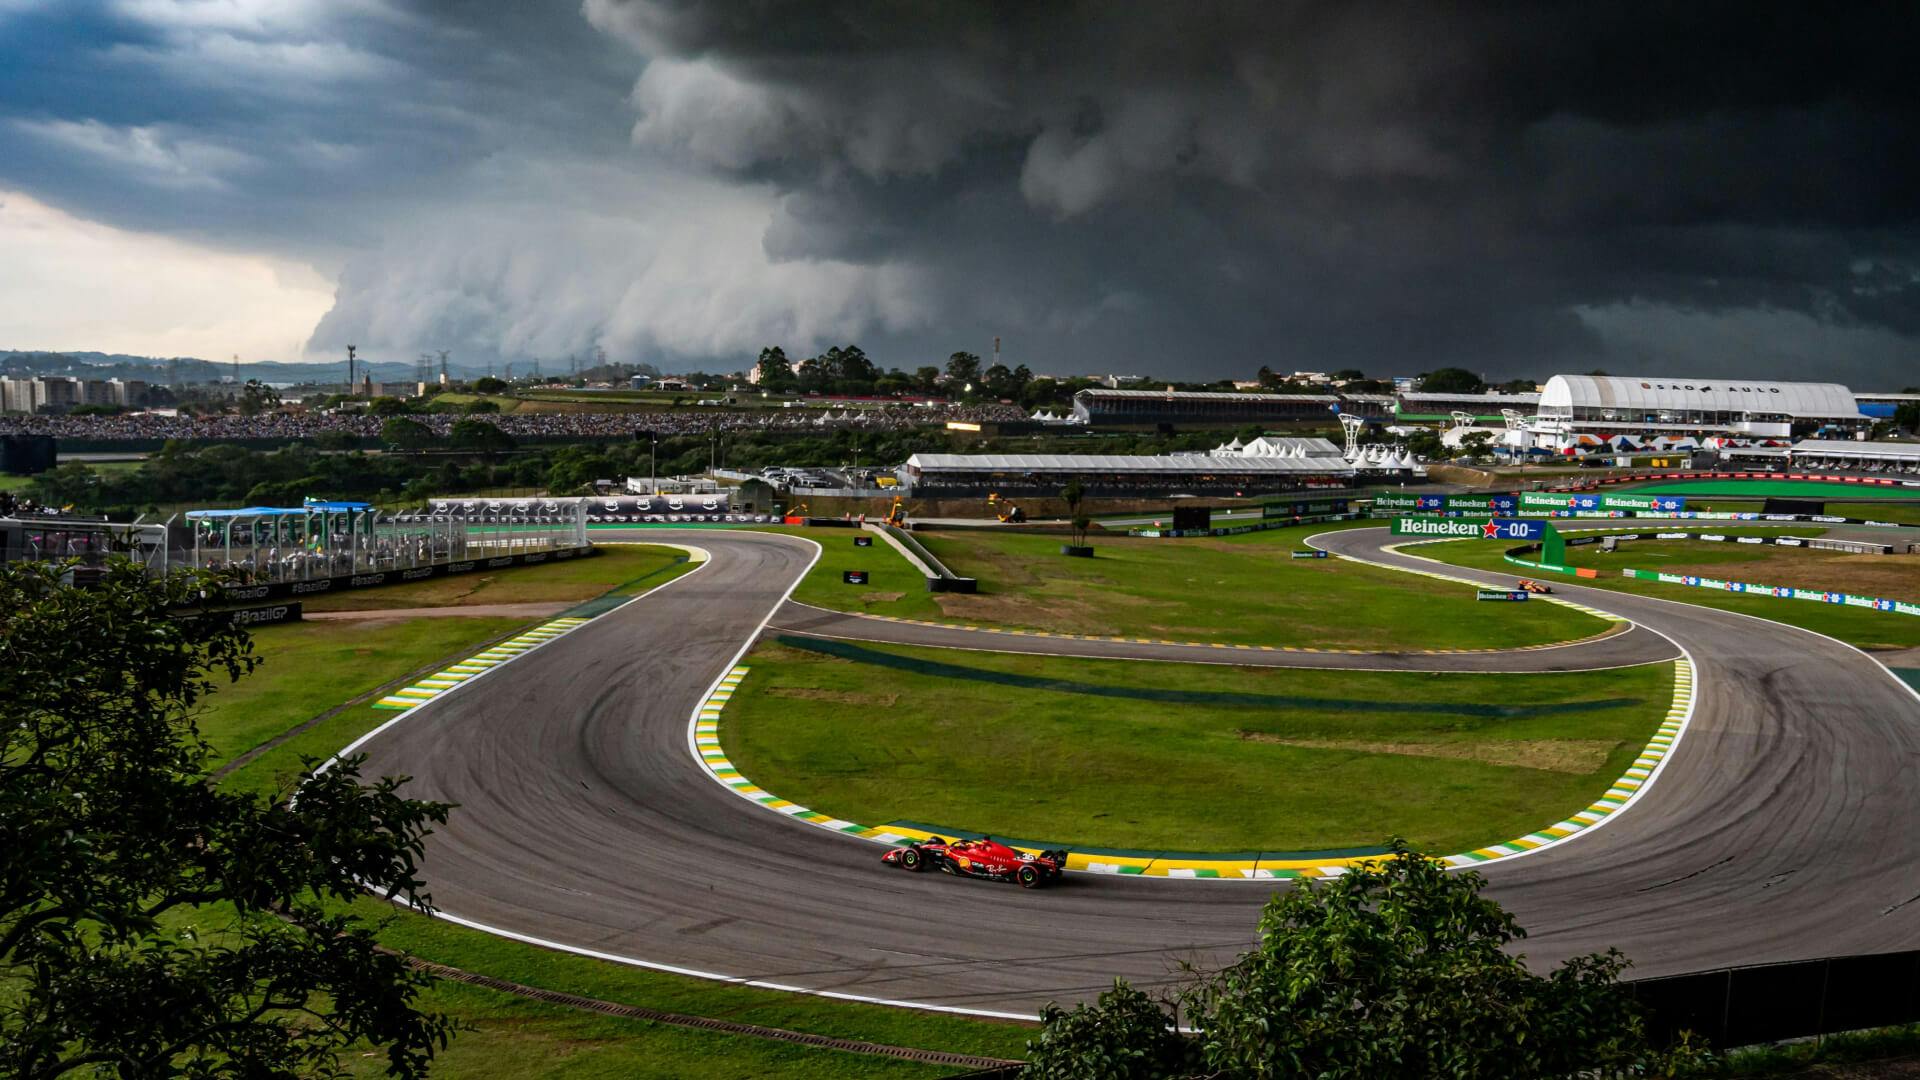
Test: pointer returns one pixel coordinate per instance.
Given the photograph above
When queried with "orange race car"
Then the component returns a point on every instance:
(1529, 585)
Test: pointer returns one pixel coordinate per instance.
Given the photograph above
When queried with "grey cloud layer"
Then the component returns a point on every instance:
(1191, 189)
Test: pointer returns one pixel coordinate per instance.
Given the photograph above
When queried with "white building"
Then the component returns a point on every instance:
(1599, 411)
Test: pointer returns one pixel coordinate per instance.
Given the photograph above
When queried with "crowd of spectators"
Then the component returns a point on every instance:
(299, 425)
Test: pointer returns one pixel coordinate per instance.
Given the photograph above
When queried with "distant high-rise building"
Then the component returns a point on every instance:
(128, 392)
(56, 393)
(16, 395)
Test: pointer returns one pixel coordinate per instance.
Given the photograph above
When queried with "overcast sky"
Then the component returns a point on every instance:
(1187, 189)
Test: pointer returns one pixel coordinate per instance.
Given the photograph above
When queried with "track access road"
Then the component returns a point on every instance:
(1778, 830)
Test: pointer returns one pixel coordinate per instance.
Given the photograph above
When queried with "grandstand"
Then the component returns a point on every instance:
(1890, 458)
(1431, 407)
(1122, 475)
(1597, 411)
(1147, 408)
(1883, 406)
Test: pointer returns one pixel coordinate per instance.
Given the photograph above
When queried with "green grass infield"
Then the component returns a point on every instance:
(1180, 757)
(1239, 590)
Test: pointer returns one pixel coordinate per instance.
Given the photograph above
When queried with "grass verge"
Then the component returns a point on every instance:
(1239, 590)
(1183, 757)
(1855, 626)
(312, 667)
(569, 580)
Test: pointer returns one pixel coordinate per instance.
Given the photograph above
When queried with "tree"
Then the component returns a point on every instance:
(1425, 444)
(1394, 969)
(489, 385)
(257, 397)
(1451, 380)
(402, 433)
(1125, 1035)
(776, 373)
(962, 368)
(1475, 444)
(1907, 416)
(114, 846)
(478, 435)
(478, 408)
(387, 406)
(336, 440)
(1072, 495)
(926, 379)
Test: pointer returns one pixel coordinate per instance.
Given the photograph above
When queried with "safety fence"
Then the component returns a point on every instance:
(1778, 592)
(1236, 530)
(276, 590)
(1744, 1006)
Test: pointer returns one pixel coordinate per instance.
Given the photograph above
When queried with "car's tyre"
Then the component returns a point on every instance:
(911, 859)
(1029, 876)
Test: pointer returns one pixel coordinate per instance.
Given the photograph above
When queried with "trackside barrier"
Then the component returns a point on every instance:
(1236, 530)
(282, 589)
(1722, 474)
(1743, 1006)
(939, 578)
(1647, 515)
(1780, 592)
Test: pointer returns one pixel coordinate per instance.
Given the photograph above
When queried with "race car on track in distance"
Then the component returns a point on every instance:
(1529, 585)
(982, 858)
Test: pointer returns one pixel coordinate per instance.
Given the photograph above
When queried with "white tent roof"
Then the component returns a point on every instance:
(1634, 394)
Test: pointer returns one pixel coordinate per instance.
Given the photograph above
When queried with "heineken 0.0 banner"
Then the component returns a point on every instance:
(1503, 502)
(1471, 528)
(1560, 500)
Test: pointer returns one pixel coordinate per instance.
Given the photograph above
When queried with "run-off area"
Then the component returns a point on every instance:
(1183, 757)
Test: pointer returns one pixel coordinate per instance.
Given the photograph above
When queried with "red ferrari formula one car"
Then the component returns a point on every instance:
(982, 858)
(1529, 585)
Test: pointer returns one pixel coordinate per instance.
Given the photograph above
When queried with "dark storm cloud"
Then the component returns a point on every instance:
(1327, 184)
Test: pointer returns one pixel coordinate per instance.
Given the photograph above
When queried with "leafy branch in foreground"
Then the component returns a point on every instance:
(1394, 969)
(116, 854)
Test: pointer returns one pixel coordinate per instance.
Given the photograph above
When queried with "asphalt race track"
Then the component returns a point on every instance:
(1782, 827)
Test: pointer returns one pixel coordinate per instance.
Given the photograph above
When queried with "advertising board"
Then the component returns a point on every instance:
(1471, 528)
(1562, 500)
(1501, 594)
(1303, 508)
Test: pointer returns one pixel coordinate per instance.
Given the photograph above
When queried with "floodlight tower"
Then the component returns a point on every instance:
(1352, 424)
(351, 350)
(443, 367)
